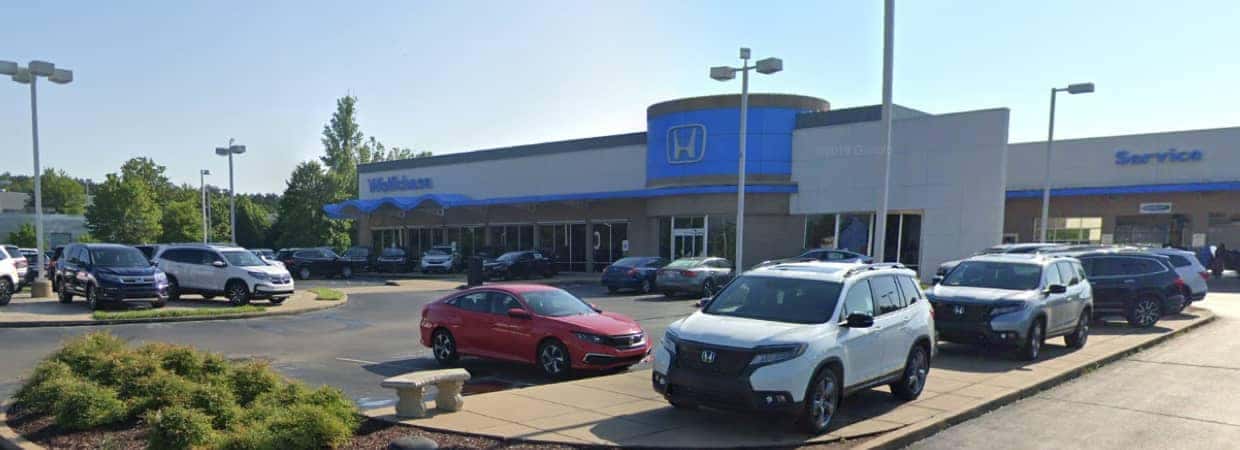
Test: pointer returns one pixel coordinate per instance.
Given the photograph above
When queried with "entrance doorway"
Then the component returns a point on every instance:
(688, 236)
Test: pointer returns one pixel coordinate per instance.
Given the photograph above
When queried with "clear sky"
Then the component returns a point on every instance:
(174, 79)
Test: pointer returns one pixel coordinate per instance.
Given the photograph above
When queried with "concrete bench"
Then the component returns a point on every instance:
(409, 388)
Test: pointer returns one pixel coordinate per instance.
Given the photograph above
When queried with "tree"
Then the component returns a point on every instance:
(124, 211)
(181, 222)
(150, 174)
(301, 221)
(61, 193)
(374, 151)
(16, 183)
(342, 142)
(25, 236)
(253, 224)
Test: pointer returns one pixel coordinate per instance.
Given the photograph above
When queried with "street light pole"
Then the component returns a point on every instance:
(202, 186)
(1078, 88)
(880, 219)
(231, 150)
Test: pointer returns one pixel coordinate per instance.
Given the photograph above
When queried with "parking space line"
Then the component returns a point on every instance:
(358, 361)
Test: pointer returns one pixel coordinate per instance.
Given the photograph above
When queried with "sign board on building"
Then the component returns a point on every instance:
(1155, 208)
(398, 183)
(686, 143)
(1171, 155)
(624, 246)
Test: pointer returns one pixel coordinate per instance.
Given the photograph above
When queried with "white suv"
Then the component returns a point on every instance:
(10, 275)
(234, 272)
(796, 338)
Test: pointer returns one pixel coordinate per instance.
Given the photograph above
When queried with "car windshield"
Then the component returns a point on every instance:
(356, 251)
(995, 275)
(118, 257)
(510, 256)
(631, 262)
(556, 303)
(329, 253)
(684, 263)
(790, 300)
(242, 259)
(393, 252)
(436, 252)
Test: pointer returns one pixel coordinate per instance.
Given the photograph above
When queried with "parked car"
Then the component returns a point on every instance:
(1028, 247)
(51, 266)
(1140, 286)
(821, 254)
(233, 272)
(9, 276)
(32, 266)
(1190, 270)
(519, 264)
(440, 258)
(701, 275)
(319, 261)
(634, 272)
(358, 258)
(22, 264)
(393, 259)
(797, 338)
(149, 250)
(268, 256)
(1014, 300)
(532, 324)
(110, 273)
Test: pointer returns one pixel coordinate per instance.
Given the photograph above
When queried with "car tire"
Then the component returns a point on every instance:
(708, 288)
(159, 304)
(554, 360)
(92, 298)
(678, 403)
(174, 289)
(1081, 334)
(64, 295)
(303, 273)
(6, 291)
(1144, 312)
(822, 399)
(1184, 302)
(277, 300)
(913, 380)
(647, 287)
(443, 345)
(238, 293)
(1034, 339)
(346, 272)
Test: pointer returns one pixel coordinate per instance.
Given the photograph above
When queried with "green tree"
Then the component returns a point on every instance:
(87, 238)
(253, 224)
(181, 222)
(301, 221)
(16, 183)
(342, 143)
(61, 193)
(25, 236)
(146, 171)
(124, 211)
(374, 151)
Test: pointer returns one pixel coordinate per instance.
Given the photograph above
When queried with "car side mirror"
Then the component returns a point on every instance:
(937, 279)
(1057, 289)
(219, 264)
(154, 262)
(859, 320)
(596, 308)
(518, 313)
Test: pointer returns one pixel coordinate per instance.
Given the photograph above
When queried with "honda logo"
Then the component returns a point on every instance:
(708, 356)
(958, 309)
(686, 144)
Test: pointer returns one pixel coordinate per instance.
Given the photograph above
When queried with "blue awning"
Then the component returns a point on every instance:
(1135, 189)
(367, 206)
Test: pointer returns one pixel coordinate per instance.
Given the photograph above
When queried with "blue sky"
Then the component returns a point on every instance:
(172, 80)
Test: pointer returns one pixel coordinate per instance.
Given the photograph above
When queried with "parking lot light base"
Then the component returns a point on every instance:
(41, 288)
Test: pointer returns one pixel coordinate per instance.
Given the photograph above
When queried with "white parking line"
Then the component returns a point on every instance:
(358, 361)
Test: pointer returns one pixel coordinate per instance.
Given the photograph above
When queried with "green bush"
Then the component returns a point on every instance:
(84, 405)
(179, 428)
(88, 354)
(306, 426)
(44, 386)
(161, 390)
(218, 402)
(129, 372)
(253, 379)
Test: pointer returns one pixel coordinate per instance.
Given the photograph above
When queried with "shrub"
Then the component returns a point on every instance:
(44, 386)
(84, 405)
(305, 426)
(218, 402)
(88, 354)
(178, 428)
(161, 390)
(128, 372)
(333, 401)
(253, 379)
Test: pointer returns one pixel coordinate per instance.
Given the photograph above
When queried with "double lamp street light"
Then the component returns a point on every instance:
(1078, 88)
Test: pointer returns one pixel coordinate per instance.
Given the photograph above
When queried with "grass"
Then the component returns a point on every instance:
(326, 294)
(166, 313)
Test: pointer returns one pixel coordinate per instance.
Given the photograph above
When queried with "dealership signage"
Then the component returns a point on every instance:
(1155, 208)
(686, 144)
(1171, 155)
(398, 183)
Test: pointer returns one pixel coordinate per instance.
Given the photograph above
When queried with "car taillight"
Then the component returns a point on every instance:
(21, 264)
(1179, 282)
(688, 273)
(1205, 275)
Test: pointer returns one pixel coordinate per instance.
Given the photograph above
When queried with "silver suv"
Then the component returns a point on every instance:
(234, 272)
(1014, 300)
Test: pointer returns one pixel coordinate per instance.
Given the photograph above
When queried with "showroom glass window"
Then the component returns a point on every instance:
(1071, 230)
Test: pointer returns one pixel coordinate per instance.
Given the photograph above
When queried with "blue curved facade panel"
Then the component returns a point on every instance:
(706, 143)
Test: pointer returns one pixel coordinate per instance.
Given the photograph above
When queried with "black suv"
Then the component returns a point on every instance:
(321, 261)
(360, 259)
(1138, 285)
(105, 273)
(519, 264)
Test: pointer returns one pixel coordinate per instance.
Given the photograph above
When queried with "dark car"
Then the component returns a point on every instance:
(32, 265)
(634, 272)
(1142, 287)
(393, 259)
(1025, 248)
(359, 258)
(52, 260)
(149, 250)
(821, 254)
(110, 273)
(319, 261)
(518, 264)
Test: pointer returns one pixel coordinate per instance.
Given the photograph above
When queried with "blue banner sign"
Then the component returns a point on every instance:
(1171, 155)
(401, 183)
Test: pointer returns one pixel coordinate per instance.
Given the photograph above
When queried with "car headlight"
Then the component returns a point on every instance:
(669, 341)
(258, 275)
(591, 338)
(777, 353)
(161, 277)
(1007, 308)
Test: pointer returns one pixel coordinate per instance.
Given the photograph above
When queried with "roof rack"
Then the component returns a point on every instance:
(873, 266)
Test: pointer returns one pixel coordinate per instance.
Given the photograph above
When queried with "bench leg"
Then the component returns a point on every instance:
(409, 403)
(449, 397)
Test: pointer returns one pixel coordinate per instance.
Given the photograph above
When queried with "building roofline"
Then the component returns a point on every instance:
(519, 151)
(790, 101)
(1113, 136)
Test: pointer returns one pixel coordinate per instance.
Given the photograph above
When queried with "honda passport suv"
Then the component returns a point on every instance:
(234, 272)
(1014, 300)
(796, 338)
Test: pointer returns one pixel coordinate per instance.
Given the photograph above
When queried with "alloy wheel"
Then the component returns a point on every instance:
(647, 287)
(916, 378)
(1035, 341)
(238, 294)
(1147, 312)
(444, 347)
(92, 297)
(553, 360)
(304, 273)
(6, 291)
(708, 289)
(822, 404)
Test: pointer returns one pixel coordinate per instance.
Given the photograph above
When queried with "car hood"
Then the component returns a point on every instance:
(269, 270)
(978, 295)
(740, 332)
(437, 258)
(128, 271)
(606, 323)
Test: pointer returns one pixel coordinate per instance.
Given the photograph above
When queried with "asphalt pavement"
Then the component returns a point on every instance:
(352, 347)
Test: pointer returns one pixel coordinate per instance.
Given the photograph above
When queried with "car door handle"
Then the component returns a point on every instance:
(1130, 281)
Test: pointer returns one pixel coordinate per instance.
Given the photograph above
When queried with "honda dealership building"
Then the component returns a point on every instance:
(813, 179)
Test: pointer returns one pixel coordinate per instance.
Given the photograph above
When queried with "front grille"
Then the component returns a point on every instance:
(625, 341)
(138, 280)
(727, 361)
(961, 312)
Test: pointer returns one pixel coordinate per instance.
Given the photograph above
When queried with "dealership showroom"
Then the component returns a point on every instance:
(813, 179)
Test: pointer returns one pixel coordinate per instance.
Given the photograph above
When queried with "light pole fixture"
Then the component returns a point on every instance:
(206, 219)
(1078, 88)
(30, 75)
(724, 73)
(229, 151)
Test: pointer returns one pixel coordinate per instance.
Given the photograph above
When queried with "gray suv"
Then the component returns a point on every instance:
(1014, 300)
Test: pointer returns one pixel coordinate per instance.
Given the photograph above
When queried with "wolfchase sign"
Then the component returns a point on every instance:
(398, 183)
(1171, 155)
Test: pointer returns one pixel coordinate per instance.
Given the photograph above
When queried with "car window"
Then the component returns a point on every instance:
(476, 302)
(3, 254)
(556, 303)
(886, 294)
(1137, 266)
(837, 256)
(910, 289)
(501, 303)
(1179, 261)
(790, 300)
(859, 300)
(1080, 270)
(1052, 276)
(995, 275)
(683, 263)
(119, 257)
(242, 258)
(1066, 274)
(304, 254)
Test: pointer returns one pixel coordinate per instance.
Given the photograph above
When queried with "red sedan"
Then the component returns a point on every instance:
(533, 324)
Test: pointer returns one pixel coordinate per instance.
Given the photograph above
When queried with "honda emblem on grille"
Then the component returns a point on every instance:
(958, 309)
(708, 356)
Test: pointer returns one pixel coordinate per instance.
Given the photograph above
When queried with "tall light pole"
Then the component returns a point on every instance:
(884, 140)
(229, 151)
(30, 75)
(206, 220)
(724, 73)
(1078, 88)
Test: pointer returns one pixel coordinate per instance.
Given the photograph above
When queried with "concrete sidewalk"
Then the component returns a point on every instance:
(25, 312)
(624, 409)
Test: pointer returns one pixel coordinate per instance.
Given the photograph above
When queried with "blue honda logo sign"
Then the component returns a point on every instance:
(1171, 155)
(395, 183)
(686, 143)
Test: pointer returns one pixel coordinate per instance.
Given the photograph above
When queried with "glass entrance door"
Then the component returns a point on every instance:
(688, 237)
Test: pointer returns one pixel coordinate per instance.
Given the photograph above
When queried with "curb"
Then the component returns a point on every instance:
(906, 436)
(9, 439)
(92, 322)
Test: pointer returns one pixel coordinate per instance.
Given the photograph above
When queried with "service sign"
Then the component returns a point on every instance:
(1155, 208)
(1171, 155)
